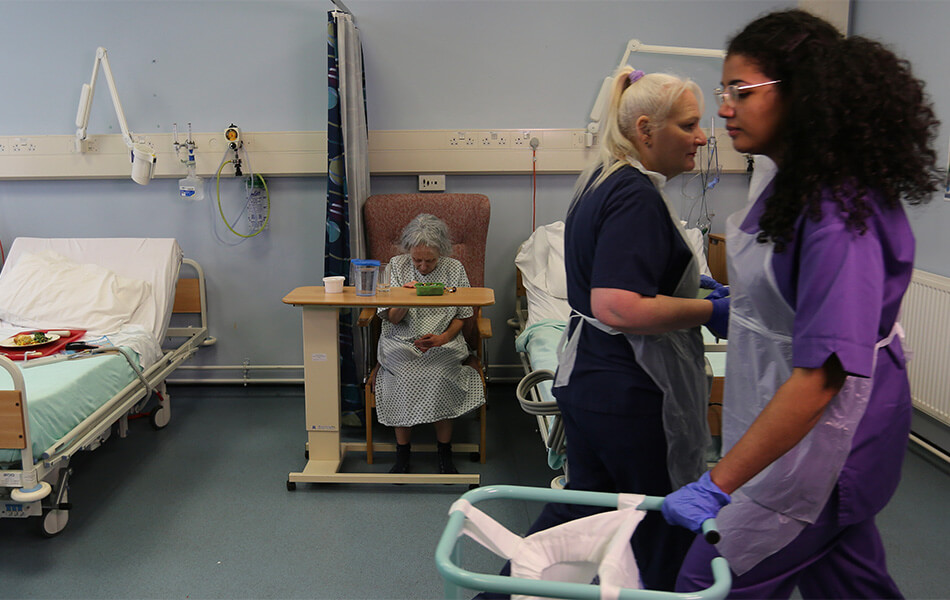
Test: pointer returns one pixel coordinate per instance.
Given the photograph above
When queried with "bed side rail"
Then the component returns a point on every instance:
(191, 299)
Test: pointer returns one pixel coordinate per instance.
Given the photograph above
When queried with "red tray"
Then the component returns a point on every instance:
(41, 351)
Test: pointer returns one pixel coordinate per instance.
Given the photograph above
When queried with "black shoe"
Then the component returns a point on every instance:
(402, 459)
(446, 466)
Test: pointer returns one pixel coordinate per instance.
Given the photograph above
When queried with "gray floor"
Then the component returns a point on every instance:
(201, 510)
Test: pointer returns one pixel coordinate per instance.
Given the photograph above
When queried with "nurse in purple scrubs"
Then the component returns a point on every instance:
(817, 403)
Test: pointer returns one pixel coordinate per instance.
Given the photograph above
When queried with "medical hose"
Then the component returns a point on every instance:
(221, 209)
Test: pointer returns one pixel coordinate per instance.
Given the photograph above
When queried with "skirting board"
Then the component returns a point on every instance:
(303, 153)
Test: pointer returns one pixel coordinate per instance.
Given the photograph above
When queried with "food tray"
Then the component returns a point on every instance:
(430, 289)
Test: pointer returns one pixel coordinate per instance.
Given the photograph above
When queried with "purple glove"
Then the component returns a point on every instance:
(720, 292)
(718, 322)
(708, 283)
(693, 503)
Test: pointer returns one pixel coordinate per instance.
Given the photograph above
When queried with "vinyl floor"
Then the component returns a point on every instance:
(201, 509)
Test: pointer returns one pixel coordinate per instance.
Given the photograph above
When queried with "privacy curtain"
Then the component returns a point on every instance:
(347, 188)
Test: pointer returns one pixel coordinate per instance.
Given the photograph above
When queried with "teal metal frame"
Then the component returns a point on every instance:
(456, 578)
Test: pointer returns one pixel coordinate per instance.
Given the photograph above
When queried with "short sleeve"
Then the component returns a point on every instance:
(459, 278)
(838, 296)
(633, 250)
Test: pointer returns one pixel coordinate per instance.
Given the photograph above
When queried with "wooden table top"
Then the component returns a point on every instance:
(397, 296)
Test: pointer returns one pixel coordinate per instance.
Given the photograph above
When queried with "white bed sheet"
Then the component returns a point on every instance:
(541, 262)
(154, 260)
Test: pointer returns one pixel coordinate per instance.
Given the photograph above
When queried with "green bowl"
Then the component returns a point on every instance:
(430, 289)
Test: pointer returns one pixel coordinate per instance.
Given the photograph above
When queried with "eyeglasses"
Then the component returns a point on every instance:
(730, 95)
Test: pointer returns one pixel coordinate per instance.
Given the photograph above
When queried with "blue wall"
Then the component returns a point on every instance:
(436, 64)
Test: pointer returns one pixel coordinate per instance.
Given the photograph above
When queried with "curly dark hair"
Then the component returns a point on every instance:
(857, 120)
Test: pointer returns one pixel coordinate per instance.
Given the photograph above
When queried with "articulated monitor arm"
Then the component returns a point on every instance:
(142, 155)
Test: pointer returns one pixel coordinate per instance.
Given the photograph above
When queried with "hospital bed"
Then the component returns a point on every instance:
(541, 314)
(117, 295)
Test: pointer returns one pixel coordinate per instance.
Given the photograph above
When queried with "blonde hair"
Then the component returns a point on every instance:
(651, 95)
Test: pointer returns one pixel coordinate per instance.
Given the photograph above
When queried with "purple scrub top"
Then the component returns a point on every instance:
(846, 289)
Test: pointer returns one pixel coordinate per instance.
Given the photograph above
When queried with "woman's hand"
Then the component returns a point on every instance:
(410, 284)
(693, 503)
(430, 340)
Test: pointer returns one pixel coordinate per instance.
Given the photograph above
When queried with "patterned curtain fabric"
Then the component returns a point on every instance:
(337, 249)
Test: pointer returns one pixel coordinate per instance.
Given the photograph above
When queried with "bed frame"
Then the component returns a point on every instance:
(551, 429)
(546, 412)
(40, 487)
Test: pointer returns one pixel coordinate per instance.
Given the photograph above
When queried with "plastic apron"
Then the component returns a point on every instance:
(771, 509)
(674, 361)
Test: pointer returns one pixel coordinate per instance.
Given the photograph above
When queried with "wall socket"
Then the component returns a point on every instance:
(432, 183)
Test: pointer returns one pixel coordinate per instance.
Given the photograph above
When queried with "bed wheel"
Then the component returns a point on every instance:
(475, 457)
(291, 485)
(159, 417)
(52, 522)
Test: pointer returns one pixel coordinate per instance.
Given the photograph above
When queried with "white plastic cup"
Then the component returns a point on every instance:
(382, 282)
(333, 284)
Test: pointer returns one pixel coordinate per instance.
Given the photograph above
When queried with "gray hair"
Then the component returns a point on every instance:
(427, 230)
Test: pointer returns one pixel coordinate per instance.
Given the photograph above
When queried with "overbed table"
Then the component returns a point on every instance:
(322, 379)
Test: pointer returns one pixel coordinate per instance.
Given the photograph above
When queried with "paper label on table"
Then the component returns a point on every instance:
(318, 357)
(323, 428)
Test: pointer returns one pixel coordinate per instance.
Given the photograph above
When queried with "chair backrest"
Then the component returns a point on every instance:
(467, 216)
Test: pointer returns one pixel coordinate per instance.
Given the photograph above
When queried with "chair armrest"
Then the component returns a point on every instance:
(484, 327)
(366, 317)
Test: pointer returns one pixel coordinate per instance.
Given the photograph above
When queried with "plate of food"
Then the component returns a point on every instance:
(29, 340)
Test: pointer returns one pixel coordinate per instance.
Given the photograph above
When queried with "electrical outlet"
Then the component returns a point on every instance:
(86, 145)
(457, 139)
(24, 145)
(432, 183)
(493, 139)
(522, 139)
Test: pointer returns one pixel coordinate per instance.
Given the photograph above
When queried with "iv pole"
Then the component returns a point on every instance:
(142, 156)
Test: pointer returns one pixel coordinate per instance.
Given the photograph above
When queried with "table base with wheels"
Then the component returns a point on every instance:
(325, 450)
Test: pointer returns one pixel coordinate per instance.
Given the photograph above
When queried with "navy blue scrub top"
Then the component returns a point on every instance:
(620, 235)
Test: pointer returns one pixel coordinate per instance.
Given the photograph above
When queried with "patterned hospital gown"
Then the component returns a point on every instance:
(414, 387)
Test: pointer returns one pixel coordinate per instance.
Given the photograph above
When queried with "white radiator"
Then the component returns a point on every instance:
(926, 321)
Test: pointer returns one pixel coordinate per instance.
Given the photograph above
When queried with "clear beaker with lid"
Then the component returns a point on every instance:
(365, 275)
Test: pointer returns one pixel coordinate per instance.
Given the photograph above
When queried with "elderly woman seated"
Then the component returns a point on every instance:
(422, 378)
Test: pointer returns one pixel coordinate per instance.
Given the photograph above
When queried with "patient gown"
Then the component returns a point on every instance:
(414, 387)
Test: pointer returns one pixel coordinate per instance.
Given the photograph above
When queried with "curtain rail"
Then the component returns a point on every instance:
(339, 4)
